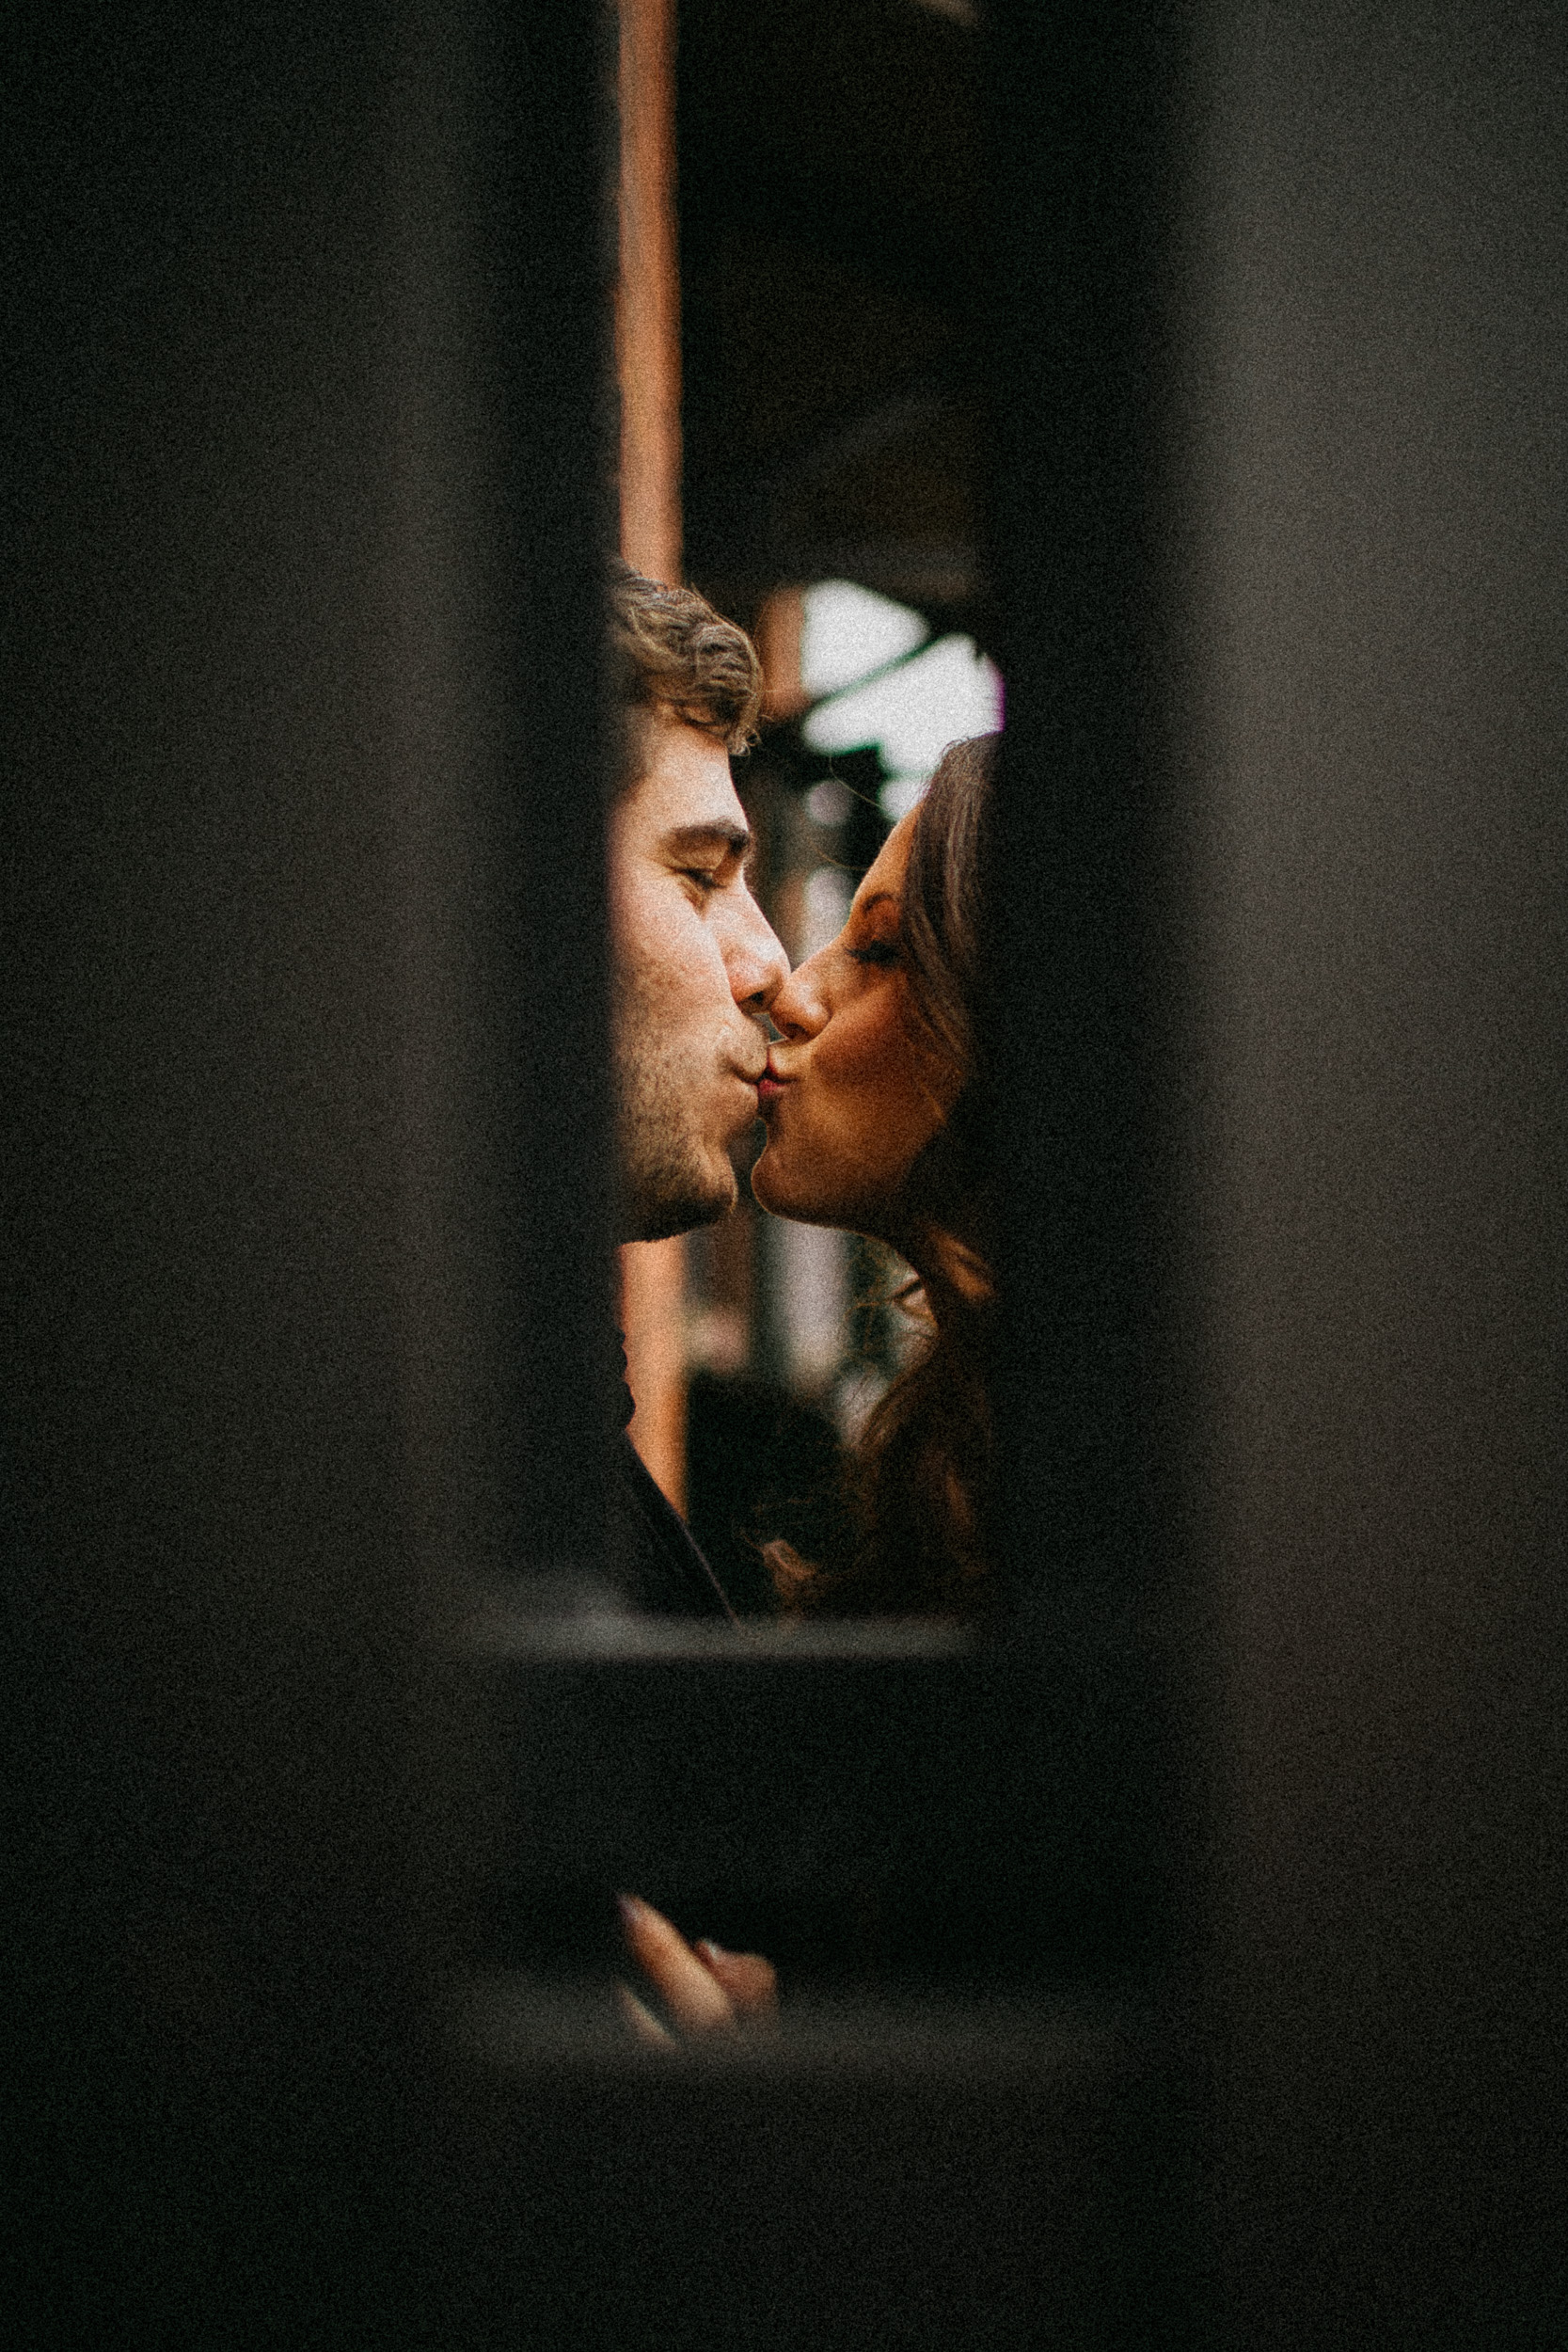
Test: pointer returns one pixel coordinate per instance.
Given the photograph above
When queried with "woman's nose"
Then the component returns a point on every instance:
(798, 1009)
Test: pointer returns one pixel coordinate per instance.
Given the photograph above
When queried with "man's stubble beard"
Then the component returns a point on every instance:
(669, 1183)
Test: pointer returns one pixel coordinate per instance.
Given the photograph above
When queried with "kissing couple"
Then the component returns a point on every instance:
(879, 1121)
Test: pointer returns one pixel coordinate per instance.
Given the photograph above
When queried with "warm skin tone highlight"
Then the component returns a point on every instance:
(696, 969)
(704, 1989)
(855, 1090)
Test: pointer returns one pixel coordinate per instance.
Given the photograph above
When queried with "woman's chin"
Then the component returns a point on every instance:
(769, 1193)
(772, 1190)
(805, 1205)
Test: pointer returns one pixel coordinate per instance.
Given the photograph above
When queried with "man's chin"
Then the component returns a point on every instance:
(663, 1217)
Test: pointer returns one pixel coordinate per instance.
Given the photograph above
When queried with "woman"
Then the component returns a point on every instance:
(878, 1109)
(878, 1120)
(878, 1103)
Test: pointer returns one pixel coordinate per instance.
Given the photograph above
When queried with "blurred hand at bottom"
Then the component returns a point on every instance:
(704, 1989)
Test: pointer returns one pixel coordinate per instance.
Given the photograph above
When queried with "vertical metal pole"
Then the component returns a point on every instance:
(648, 367)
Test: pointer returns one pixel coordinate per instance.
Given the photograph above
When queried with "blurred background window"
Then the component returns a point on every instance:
(907, 706)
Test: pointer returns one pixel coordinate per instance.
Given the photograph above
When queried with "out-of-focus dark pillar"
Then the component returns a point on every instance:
(306, 1262)
(1282, 367)
(546, 262)
(1085, 116)
(1377, 378)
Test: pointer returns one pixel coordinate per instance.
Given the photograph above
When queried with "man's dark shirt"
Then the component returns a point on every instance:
(663, 1572)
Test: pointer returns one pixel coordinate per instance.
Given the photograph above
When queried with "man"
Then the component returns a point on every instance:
(696, 968)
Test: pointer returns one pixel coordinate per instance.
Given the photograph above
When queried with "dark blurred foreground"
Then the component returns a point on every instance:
(307, 386)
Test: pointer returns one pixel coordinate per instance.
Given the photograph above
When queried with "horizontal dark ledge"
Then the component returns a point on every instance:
(522, 2025)
(582, 1639)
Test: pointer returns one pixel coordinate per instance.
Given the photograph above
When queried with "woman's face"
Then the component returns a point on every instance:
(854, 1093)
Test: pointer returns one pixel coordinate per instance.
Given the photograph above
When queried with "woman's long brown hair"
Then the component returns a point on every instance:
(918, 1485)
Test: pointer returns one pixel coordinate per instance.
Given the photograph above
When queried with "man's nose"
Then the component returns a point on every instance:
(758, 966)
(797, 1011)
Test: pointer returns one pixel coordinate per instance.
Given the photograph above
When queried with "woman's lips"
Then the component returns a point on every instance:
(769, 1086)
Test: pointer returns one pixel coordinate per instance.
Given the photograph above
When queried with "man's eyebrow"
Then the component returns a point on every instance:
(683, 840)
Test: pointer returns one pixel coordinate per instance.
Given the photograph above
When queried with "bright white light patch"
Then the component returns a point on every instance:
(827, 896)
(900, 794)
(846, 632)
(913, 712)
(813, 1289)
(828, 802)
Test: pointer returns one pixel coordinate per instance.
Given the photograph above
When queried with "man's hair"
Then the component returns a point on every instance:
(671, 651)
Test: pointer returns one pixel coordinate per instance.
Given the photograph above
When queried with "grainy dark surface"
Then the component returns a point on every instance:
(275, 719)
(304, 405)
(1378, 633)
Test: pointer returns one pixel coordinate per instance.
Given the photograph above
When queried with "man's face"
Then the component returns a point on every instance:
(696, 967)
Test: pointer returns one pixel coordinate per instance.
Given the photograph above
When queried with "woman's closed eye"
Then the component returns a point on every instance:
(874, 951)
